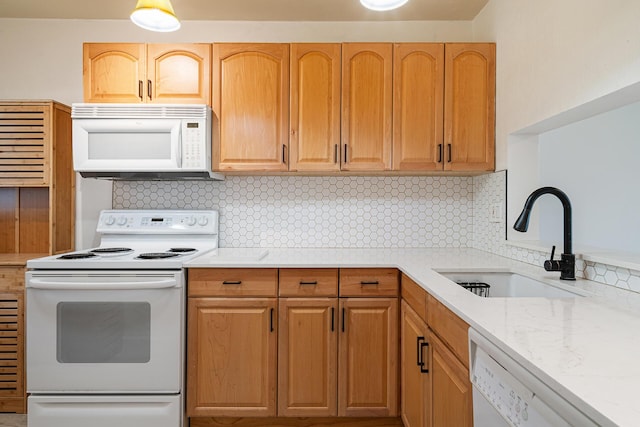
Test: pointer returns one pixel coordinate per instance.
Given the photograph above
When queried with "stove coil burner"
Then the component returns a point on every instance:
(157, 255)
(182, 250)
(81, 255)
(111, 251)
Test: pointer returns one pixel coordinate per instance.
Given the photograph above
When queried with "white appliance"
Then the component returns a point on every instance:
(142, 141)
(505, 394)
(106, 326)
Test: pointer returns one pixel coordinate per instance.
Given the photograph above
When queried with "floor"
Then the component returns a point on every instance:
(12, 420)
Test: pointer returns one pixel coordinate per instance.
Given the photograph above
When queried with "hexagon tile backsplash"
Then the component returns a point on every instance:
(283, 211)
(294, 211)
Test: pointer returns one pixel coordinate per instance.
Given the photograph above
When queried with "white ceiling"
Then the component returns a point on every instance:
(247, 10)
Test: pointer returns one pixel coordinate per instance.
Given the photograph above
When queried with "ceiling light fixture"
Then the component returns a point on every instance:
(155, 15)
(382, 5)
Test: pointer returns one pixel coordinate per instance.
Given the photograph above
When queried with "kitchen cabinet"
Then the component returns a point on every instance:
(308, 342)
(251, 106)
(13, 397)
(147, 73)
(314, 139)
(436, 390)
(232, 342)
(469, 106)
(367, 106)
(37, 181)
(418, 90)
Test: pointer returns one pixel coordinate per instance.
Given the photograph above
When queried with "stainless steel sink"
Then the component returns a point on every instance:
(510, 285)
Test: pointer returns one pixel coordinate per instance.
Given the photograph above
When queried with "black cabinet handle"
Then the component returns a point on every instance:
(271, 320)
(335, 153)
(284, 154)
(344, 314)
(232, 282)
(333, 315)
(149, 89)
(449, 149)
(369, 282)
(439, 153)
(422, 343)
(140, 90)
(308, 282)
(346, 159)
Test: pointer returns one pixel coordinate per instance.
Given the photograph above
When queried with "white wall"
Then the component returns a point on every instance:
(42, 59)
(557, 62)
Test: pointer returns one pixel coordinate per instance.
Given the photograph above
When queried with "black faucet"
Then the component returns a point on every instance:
(567, 263)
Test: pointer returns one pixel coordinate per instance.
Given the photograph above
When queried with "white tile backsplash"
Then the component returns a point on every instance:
(287, 211)
(342, 212)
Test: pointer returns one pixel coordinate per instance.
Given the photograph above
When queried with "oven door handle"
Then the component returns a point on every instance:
(156, 284)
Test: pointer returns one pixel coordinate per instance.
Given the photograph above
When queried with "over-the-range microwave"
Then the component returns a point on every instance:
(142, 141)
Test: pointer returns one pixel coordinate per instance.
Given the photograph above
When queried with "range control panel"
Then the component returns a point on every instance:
(158, 222)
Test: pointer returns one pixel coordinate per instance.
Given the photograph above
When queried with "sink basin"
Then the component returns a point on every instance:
(511, 285)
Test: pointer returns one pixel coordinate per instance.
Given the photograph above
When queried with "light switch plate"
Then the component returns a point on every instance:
(496, 212)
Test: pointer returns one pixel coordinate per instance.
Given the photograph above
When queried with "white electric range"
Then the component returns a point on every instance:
(106, 327)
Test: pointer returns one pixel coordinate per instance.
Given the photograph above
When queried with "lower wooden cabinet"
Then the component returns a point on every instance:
(12, 372)
(436, 389)
(308, 357)
(415, 381)
(368, 365)
(232, 357)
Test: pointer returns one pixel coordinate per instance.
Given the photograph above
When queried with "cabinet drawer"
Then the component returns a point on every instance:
(450, 328)
(368, 282)
(241, 282)
(12, 279)
(311, 282)
(414, 295)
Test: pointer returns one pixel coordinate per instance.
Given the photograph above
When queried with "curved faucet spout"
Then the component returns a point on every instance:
(567, 263)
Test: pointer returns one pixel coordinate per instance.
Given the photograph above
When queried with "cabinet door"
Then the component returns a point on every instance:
(418, 88)
(451, 399)
(368, 357)
(366, 106)
(308, 357)
(315, 107)
(179, 73)
(251, 105)
(231, 356)
(415, 381)
(113, 72)
(469, 106)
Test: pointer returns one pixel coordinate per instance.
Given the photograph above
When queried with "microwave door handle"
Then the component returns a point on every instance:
(156, 284)
(179, 147)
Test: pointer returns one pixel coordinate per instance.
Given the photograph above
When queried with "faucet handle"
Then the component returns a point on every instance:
(553, 251)
(550, 264)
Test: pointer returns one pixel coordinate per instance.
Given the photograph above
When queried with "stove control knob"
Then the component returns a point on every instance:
(203, 221)
(110, 220)
(122, 220)
(191, 221)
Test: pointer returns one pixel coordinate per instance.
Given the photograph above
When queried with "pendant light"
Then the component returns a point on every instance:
(155, 15)
(382, 5)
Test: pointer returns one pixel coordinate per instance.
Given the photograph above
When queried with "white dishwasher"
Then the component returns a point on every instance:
(506, 394)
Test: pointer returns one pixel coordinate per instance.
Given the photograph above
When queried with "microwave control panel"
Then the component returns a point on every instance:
(194, 151)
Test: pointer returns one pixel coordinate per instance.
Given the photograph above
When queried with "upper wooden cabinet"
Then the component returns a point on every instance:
(469, 106)
(156, 73)
(418, 81)
(315, 107)
(37, 181)
(366, 106)
(251, 106)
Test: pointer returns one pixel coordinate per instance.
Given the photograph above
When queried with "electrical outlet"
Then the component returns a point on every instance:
(496, 212)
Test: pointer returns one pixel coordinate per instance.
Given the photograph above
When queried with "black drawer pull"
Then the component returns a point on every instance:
(333, 316)
(232, 282)
(308, 282)
(369, 282)
(344, 315)
(271, 328)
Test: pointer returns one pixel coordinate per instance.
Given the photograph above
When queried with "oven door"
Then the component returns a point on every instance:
(104, 331)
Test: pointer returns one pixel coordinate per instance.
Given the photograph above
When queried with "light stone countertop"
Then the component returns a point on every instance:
(585, 348)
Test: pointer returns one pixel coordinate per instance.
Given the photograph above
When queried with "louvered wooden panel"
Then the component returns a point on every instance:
(24, 145)
(11, 345)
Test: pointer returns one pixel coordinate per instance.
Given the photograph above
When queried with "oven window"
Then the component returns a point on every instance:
(103, 332)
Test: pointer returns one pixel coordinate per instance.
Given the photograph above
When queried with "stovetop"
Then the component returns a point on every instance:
(142, 239)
